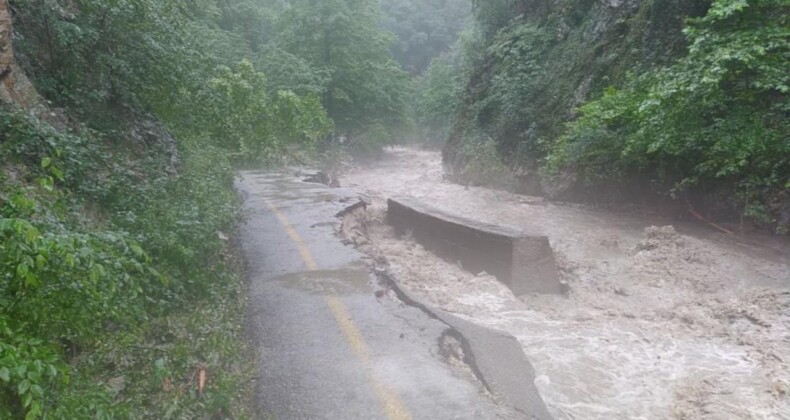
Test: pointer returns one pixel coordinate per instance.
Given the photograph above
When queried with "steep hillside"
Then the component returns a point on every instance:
(653, 82)
(536, 69)
(110, 235)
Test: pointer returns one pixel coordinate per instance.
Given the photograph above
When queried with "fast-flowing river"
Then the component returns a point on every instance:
(663, 320)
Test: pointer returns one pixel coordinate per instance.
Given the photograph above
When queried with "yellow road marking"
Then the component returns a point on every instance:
(393, 406)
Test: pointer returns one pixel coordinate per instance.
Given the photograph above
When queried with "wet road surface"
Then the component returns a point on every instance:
(329, 348)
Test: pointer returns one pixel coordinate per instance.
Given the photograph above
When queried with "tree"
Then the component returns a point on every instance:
(235, 109)
(341, 39)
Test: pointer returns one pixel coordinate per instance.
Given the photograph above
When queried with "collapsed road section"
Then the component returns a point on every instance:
(333, 343)
(495, 357)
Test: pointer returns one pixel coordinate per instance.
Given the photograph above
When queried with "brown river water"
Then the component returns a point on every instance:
(663, 319)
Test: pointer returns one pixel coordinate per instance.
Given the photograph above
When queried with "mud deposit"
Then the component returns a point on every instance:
(663, 320)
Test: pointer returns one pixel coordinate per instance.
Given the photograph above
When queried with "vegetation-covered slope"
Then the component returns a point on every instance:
(686, 99)
(120, 295)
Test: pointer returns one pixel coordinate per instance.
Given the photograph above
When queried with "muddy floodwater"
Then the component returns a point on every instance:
(663, 320)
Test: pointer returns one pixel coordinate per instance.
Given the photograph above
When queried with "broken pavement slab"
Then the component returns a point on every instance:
(496, 358)
(500, 363)
(524, 262)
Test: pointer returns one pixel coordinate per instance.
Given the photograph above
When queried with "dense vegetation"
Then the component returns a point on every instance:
(717, 119)
(363, 89)
(120, 292)
(620, 100)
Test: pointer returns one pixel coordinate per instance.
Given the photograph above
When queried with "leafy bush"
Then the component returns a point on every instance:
(61, 289)
(236, 109)
(75, 296)
(28, 366)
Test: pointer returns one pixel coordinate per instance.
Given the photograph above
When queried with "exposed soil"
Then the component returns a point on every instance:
(663, 319)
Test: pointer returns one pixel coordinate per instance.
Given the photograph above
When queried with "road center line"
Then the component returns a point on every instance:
(390, 401)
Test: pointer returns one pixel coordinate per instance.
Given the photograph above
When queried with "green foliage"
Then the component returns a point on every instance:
(491, 15)
(341, 39)
(717, 116)
(71, 284)
(509, 108)
(102, 56)
(532, 63)
(236, 109)
(95, 52)
(61, 288)
(697, 110)
(96, 57)
(28, 366)
(286, 71)
(251, 20)
(90, 218)
(78, 302)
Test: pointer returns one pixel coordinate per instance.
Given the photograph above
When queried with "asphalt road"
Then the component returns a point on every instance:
(329, 348)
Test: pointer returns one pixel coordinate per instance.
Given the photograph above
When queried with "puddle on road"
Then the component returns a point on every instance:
(659, 323)
(351, 280)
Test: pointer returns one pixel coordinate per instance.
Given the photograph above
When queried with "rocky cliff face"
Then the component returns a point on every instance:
(15, 86)
(538, 68)
(16, 89)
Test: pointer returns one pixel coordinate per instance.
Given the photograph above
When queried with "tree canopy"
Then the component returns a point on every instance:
(342, 41)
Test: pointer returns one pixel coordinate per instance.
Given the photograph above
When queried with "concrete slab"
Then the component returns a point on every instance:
(495, 357)
(501, 365)
(524, 262)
